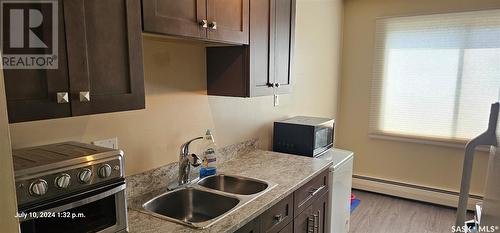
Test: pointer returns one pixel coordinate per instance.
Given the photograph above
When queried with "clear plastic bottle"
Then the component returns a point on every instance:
(209, 164)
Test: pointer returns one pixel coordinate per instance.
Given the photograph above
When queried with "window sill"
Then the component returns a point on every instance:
(459, 144)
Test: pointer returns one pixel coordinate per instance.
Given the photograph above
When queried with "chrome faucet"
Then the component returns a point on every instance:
(187, 160)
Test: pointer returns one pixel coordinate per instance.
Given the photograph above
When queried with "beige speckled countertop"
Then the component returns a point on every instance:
(288, 171)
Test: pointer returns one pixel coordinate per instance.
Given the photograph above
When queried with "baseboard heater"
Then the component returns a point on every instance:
(413, 192)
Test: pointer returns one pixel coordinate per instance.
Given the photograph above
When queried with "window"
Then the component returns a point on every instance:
(435, 76)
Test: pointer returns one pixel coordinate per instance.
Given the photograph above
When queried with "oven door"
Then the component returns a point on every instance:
(100, 210)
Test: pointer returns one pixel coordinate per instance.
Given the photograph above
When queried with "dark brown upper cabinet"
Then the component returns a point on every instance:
(174, 17)
(281, 45)
(32, 94)
(104, 40)
(263, 67)
(100, 65)
(213, 20)
(228, 20)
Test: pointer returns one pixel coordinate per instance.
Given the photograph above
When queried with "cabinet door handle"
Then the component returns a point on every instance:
(313, 223)
(277, 85)
(62, 97)
(312, 193)
(316, 191)
(84, 96)
(316, 223)
(204, 23)
(310, 224)
(212, 25)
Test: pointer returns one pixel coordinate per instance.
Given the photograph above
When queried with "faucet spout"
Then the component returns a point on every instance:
(186, 160)
(185, 146)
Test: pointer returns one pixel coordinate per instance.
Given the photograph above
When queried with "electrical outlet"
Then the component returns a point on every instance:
(276, 100)
(108, 143)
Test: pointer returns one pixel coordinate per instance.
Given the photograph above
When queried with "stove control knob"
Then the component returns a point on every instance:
(62, 181)
(85, 175)
(38, 188)
(104, 171)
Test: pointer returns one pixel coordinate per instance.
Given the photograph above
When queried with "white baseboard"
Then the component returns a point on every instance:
(430, 195)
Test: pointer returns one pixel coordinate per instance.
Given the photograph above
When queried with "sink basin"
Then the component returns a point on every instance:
(233, 184)
(191, 206)
(201, 204)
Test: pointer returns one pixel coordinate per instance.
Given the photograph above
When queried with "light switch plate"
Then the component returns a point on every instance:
(276, 100)
(108, 143)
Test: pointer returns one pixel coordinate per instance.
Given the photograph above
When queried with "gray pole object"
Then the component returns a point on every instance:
(487, 138)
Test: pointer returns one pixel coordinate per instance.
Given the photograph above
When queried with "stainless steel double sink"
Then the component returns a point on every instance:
(205, 201)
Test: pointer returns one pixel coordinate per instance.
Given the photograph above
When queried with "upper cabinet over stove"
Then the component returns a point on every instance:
(225, 21)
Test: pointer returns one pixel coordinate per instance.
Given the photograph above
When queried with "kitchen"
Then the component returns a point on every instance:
(332, 56)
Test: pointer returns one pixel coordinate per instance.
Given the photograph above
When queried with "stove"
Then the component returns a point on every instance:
(70, 177)
(50, 171)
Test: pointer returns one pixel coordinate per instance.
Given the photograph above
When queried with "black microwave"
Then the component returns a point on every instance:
(301, 135)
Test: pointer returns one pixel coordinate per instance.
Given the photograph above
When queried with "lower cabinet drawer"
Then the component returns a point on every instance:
(251, 227)
(278, 216)
(312, 190)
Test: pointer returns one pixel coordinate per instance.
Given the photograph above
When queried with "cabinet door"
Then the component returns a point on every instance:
(281, 44)
(287, 229)
(314, 218)
(105, 42)
(254, 70)
(304, 221)
(260, 83)
(228, 20)
(251, 227)
(320, 213)
(32, 94)
(174, 17)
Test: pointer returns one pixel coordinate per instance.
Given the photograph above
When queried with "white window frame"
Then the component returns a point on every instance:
(375, 106)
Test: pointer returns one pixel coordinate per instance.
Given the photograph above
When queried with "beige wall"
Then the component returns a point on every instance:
(426, 165)
(177, 107)
(8, 205)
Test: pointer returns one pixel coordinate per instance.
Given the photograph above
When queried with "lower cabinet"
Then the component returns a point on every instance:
(251, 227)
(287, 229)
(314, 218)
(304, 211)
(278, 216)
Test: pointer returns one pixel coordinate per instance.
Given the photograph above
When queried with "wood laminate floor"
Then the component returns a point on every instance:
(385, 214)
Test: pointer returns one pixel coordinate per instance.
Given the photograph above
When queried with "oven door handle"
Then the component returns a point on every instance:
(81, 202)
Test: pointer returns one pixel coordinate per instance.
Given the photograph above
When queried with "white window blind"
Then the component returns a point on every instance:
(435, 76)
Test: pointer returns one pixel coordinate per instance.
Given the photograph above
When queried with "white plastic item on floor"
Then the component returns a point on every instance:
(340, 191)
(479, 210)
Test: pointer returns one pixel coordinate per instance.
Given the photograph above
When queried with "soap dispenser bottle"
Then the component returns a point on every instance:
(209, 164)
